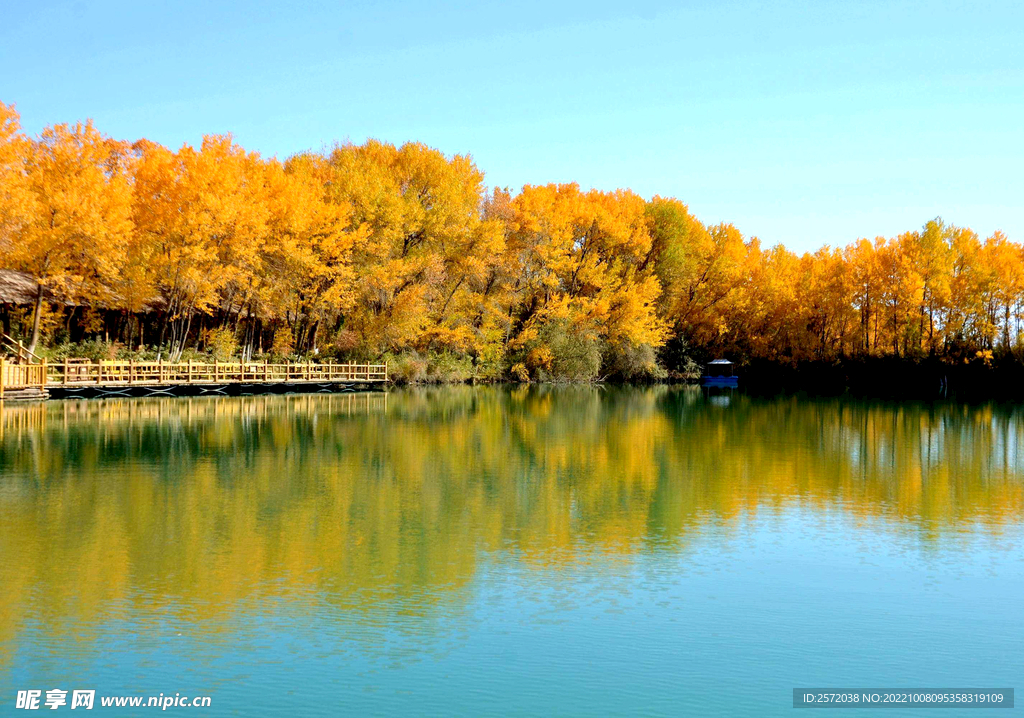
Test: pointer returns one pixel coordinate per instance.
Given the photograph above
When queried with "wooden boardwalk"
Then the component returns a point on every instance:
(76, 377)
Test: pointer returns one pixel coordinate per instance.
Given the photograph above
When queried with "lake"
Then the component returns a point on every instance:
(512, 551)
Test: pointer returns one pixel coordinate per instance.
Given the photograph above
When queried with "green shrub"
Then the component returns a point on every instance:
(406, 368)
(94, 350)
(630, 362)
(677, 357)
(429, 368)
(571, 355)
(447, 368)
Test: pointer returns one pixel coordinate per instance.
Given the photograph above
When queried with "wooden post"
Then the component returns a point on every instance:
(385, 372)
(189, 379)
(42, 378)
(160, 369)
(65, 371)
(266, 371)
(99, 372)
(131, 372)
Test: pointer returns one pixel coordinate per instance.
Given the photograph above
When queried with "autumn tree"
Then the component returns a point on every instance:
(1003, 287)
(201, 222)
(73, 240)
(584, 266)
(699, 269)
(16, 198)
(308, 278)
(966, 323)
(932, 254)
(428, 263)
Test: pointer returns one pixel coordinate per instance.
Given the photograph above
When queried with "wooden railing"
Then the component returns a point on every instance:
(21, 376)
(78, 372)
(24, 355)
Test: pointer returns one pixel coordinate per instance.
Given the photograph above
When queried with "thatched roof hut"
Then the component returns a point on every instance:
(17, 287)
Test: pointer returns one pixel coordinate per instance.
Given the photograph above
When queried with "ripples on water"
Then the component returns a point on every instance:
(539, 551)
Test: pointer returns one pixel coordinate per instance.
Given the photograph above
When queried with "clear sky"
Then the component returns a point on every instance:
(802, 123)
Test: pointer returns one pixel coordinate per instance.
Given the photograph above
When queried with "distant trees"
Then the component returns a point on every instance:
(372, 250)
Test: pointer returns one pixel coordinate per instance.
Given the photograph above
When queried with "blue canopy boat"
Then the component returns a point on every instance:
(720, 372)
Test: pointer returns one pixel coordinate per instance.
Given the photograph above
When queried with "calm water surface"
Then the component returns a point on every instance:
(514, 552)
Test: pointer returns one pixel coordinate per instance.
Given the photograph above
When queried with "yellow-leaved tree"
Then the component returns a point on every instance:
(74, 239)
(16, 199)
(428, 257)
(584, 278)
(201, 221)
(308, 276)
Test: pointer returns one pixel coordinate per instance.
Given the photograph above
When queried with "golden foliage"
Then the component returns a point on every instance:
(376, 249)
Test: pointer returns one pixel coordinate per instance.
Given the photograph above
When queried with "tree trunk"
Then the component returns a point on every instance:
(312, 335)
(1006, 326)
(36, 319)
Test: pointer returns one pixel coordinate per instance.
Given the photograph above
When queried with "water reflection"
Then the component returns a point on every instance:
(193, 507)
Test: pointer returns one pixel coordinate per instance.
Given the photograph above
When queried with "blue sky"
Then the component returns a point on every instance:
(801, 123)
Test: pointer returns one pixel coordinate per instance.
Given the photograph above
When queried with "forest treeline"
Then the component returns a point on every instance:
(376, 251)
